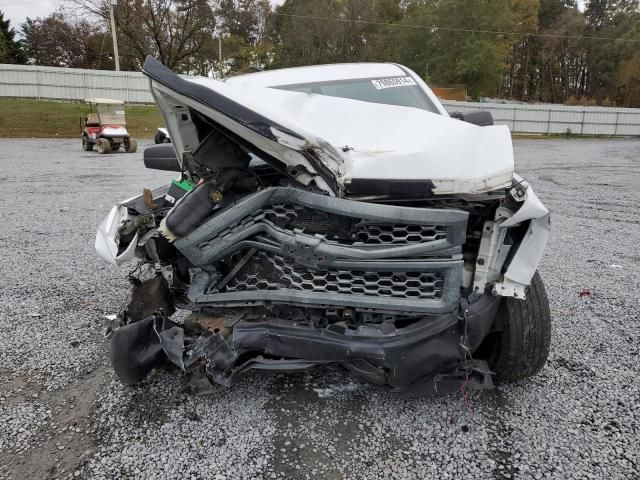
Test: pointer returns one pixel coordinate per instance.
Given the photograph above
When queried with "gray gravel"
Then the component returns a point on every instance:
(62, 414)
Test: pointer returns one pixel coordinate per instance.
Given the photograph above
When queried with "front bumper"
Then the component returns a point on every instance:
(397, 358)
(108, 245)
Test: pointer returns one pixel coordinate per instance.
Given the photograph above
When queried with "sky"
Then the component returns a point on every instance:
(18, 10)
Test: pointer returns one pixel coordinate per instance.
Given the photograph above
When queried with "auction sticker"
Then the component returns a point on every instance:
(391, 82)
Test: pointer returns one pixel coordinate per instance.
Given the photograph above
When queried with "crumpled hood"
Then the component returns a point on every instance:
(344, 140)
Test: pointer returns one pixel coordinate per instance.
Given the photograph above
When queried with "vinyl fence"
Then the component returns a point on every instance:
(557, 119)
(26, 81)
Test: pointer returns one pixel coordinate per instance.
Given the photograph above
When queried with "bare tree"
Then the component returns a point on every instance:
(60, 41)
(174, 31)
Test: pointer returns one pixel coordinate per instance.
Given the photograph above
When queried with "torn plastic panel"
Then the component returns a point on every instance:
(118, 237)
(398, 357)
(108, 242)
(509, 268)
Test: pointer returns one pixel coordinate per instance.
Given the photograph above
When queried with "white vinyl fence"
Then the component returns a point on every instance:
(26, 81)
(555, 119)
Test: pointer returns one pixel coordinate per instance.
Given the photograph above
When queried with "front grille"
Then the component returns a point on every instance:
(320, 251)
(269, 271)
(340, 229)
(377, 234)
(291, 216)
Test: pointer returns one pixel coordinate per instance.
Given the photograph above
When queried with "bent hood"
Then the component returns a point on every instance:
(336, 142)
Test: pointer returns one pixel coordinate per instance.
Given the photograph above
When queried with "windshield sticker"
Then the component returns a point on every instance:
(119, 112)
(391, 82)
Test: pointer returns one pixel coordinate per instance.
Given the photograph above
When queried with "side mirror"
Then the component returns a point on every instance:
(481, 118)
(161, 157)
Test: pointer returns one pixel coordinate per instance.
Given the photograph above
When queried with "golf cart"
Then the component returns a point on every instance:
(106, 127)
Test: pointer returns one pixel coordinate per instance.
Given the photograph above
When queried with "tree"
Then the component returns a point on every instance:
(10, 49)
(441, 40)
(246, 19)
(517, 79)
(629, 79)
(58, 42)
(562, 73)
(619, 19)
(310, 32)
(244, 26)
(174, 31)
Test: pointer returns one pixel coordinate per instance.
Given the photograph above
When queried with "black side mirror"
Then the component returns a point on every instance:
(161, 157)
(481, 118)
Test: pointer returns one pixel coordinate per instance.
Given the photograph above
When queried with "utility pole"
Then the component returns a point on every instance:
(113, 34)
(220, 56)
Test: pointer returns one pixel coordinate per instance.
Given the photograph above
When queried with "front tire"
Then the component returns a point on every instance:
(521, 348)
(130, 145)
(103, 146)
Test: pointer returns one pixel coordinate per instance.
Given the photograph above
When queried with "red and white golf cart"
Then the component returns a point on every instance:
(106, 127)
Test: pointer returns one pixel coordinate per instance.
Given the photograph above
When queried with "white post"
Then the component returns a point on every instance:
(220, 56)
(113, 35)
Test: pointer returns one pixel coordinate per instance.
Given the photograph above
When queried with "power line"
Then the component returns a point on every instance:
(435, 28)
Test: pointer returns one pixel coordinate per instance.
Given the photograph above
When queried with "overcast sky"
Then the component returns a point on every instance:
(18, 10)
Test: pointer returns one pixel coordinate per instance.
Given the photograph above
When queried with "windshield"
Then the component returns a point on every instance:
(111, 114)
(402, 91)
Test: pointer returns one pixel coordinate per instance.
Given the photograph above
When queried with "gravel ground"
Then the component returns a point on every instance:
(63, 415)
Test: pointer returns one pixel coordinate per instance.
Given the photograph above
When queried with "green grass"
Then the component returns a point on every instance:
(21, 118)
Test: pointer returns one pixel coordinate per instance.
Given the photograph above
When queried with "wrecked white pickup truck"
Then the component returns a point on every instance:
(324, 214)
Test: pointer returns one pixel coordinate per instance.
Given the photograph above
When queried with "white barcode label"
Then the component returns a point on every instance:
(391, 82)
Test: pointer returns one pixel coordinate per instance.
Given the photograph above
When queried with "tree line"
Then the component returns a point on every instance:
(529, 50)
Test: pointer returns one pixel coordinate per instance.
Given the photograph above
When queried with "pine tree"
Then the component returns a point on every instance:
(10, 49)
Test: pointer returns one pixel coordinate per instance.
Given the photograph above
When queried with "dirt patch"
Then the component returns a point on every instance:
(70, 438)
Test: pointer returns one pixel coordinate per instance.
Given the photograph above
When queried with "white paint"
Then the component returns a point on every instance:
(384, 141)
(333, 72)
(532, 206)
(107, 237)
(525, 262)
(114, 132)
(317, 73)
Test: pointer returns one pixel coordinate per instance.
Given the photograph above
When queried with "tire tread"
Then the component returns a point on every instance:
(525, 341)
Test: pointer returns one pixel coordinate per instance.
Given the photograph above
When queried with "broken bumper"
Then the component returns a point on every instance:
(397, 358)
(108, 237)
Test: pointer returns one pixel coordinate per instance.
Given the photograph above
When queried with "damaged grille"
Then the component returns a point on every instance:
(283, 245)
(268, 271)
(375, 234)
(340, 229)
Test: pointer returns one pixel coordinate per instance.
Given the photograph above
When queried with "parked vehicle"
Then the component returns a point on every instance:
(162, 136)
(106, 127)
(326, 214)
